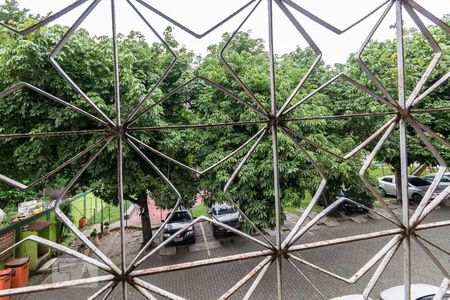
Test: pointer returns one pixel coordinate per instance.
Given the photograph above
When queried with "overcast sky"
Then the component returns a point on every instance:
(202, 14)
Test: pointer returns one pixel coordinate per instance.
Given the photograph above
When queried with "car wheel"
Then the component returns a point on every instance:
(383, 192)
(416, 198)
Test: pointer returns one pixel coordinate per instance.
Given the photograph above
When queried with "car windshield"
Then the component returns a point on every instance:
(418, 181)
(180, 217)
(225, 210)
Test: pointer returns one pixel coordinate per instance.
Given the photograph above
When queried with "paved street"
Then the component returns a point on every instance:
(212, 281)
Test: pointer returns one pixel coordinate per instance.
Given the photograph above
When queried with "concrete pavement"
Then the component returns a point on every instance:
(212, 281)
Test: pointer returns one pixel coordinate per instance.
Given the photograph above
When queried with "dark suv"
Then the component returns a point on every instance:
(179, 220)
(227, 215)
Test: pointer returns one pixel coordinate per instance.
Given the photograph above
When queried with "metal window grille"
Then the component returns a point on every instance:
(403, 110)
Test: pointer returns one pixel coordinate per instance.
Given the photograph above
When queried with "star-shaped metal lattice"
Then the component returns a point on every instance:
(273, 121)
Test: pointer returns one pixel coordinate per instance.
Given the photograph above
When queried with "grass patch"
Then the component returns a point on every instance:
(94, 206)
(379, 172)
(303, 204)
(200, 210)
(292, 210)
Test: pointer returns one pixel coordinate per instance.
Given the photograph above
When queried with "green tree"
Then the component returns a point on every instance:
(253, 189)
(88, 60)
(381, 57)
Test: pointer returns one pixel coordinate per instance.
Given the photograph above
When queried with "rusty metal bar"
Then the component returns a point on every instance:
(333, 80)
(381, 268)
(432, 257)
(366, 115)
(363, 66)
(55, 285)
(207, 82)
(22, 186)
(403, 150)
(290, 239)
(21, 85)
(275, 119)
(194, 126)
(156, 289)
(59, 69)
(246, 157)
(313, 46)
(69, 223)
(134, 262)
(432, 244)
(261, 109)
(52, 134)
(433, 134)
(442, 289)
(131, 118)
(371, 138)
(442, 169)
(310, 142)
(246, 278)
(192, 223)
(302, 275)
(436, 49)
(119, 129)
(199, 172)
(275, 150)
(396, 241)
(186, 29)
(101, 291)
(429, 15)
(200, 263)
(257, 281)
(365, 167)
(354, 238)
(60, 248)
(46, 20)
(327, 25)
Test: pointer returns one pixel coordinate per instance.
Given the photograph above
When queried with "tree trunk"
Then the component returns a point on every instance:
(145, 219)
(398, 183)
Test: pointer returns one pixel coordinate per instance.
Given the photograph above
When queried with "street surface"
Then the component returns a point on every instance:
(212, 281)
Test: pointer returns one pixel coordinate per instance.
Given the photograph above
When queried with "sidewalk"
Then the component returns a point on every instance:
(157, 215)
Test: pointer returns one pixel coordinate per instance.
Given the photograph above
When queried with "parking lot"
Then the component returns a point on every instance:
(212, 281)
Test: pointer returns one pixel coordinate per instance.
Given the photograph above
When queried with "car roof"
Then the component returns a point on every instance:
(180, 210)
(221, 205)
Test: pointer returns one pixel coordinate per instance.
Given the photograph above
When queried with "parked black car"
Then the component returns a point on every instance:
(225, 214)
(179, 220)
(348, 207)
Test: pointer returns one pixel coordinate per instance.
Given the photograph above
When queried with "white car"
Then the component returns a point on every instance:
(418, 292)
(417, 187)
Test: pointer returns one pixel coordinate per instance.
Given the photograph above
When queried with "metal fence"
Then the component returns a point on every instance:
(403, 110)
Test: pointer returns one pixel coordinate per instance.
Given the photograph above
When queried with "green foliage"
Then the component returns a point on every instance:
(381, 57)
(88, 60)
(199, 210)
(10, 197)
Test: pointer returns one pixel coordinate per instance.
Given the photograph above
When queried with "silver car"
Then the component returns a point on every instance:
(445, 181)
(417, 187)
